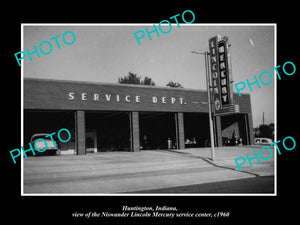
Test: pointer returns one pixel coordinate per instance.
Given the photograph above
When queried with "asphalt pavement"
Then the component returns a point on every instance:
(139, 172)
(256, 185)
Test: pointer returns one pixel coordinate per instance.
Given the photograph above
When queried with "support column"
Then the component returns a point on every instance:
(80, 132)
(249, 124)
(218, 129)
(134, 131)
(179, 130)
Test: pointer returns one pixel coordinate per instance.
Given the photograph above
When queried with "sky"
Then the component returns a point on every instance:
(105, 52)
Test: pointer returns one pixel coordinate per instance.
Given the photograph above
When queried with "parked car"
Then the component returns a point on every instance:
(41, 144)
(263, 141)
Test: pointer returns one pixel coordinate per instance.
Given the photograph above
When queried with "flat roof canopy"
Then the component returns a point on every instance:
(75, 95)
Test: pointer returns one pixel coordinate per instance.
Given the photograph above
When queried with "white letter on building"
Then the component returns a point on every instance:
(154, 99)
(71, 96)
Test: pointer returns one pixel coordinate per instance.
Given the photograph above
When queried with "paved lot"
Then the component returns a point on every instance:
(120, 172)
(261, 184)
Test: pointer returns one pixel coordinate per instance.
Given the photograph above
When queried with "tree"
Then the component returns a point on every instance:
(264, 130)
(148, 81)
(132, 78)
(174, 84)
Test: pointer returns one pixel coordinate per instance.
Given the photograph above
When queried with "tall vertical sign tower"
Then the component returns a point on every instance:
(221, 76)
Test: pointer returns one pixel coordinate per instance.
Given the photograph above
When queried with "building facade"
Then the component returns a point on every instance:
(118, 117)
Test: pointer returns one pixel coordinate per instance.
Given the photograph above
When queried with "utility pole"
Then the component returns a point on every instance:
(212, 138)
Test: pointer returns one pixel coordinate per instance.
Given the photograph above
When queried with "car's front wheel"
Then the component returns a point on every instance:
(58, 152)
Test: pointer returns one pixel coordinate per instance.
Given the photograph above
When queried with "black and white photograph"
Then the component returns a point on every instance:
(137, 113)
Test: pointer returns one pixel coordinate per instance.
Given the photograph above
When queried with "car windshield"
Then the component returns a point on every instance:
(41, 136)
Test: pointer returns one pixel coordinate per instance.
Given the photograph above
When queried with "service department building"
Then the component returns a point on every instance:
(118, 117)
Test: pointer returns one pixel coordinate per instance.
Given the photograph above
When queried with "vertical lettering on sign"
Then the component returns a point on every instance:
(223, 66)
(215, 73)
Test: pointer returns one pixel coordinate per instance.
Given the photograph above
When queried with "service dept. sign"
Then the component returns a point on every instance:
(220, 73)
